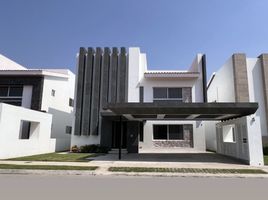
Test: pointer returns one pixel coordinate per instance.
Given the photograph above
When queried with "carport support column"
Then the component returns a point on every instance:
(120, 138)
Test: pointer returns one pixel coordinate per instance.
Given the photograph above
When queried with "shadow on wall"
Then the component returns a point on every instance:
(61, 128)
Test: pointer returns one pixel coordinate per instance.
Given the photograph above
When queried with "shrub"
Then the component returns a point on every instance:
(93, 148)
(88, 148)
(265, 150)
(75, 149)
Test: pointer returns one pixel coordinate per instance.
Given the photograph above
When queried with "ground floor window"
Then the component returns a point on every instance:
(25, 130)
(168, 132)
(229, 133)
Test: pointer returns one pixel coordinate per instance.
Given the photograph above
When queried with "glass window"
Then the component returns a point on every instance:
(68, 130)
(15, 91)
(141, 131)
(25, 130)
(175, 132)
(160, 93)
(71, 102)
(229, 133)
(160, 132)
(53, 93)
(3, 91)
(174, 93)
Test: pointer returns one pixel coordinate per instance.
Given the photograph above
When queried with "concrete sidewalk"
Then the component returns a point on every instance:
(103, 164)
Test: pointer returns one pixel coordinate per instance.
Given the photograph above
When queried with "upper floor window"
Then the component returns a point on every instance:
(68, 129)
(160, 93)
(71, 102)
(53, 93)
(11, 91)
(11, 94)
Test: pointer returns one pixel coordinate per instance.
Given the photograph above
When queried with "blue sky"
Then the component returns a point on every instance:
(48, 33)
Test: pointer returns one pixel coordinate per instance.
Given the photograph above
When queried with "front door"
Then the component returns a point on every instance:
(116, 135)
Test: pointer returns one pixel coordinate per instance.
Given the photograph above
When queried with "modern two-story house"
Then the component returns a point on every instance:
(46, 90)
(121, 104)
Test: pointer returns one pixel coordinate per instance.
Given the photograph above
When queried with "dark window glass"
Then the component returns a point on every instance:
(12, 101)
(174, 93)
(3, 91)
(15, 91)
(160, 132)
(25, 130)
(53, 93)
(160, 92)
(141, 131)
(71, 102)
(68, 130)
(175, 132)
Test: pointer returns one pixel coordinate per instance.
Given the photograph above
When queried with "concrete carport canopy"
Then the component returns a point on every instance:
(164, 110)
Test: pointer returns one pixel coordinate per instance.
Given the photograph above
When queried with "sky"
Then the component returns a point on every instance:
(48, 34)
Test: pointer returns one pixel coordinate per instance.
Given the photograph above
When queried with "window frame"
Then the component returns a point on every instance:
(167, 94)
(12, 100)
(168, 137)
(229, 133)
(71, 102)
(25, 127)
(68, 130)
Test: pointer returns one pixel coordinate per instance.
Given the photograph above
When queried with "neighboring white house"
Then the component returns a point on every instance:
(44, 90)
(242, 79)
(24, 132)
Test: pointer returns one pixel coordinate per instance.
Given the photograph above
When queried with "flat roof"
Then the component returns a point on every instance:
(36, 72)
(171, 74)
(180, 111)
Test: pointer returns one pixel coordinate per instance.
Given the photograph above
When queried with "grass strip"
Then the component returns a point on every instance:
(47, 167)
(187, 170)
(58, 157)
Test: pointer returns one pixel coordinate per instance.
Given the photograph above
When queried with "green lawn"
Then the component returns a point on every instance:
(187, 170)
(46, 167)
(58, 157)
(266, 160)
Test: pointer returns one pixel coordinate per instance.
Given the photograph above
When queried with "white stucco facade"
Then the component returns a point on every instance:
(58, 106)
(246, 143)
(61, 82)
(221, 89)
(40, 140)
(191, 78)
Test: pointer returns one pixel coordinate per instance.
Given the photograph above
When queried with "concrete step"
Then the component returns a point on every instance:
(116, 151)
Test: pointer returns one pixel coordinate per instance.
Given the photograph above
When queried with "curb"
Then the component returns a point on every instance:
(130, 174)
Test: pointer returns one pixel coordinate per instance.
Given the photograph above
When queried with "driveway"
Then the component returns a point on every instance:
(190, 160)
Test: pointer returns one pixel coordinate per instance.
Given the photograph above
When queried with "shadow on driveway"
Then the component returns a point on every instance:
(171, 157)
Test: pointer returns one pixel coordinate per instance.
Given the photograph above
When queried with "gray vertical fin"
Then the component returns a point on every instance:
(122, 76)
(95, 98)
(113, 76)
(87, 92)
(240, 77)
(105, 77)
(79, 91)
